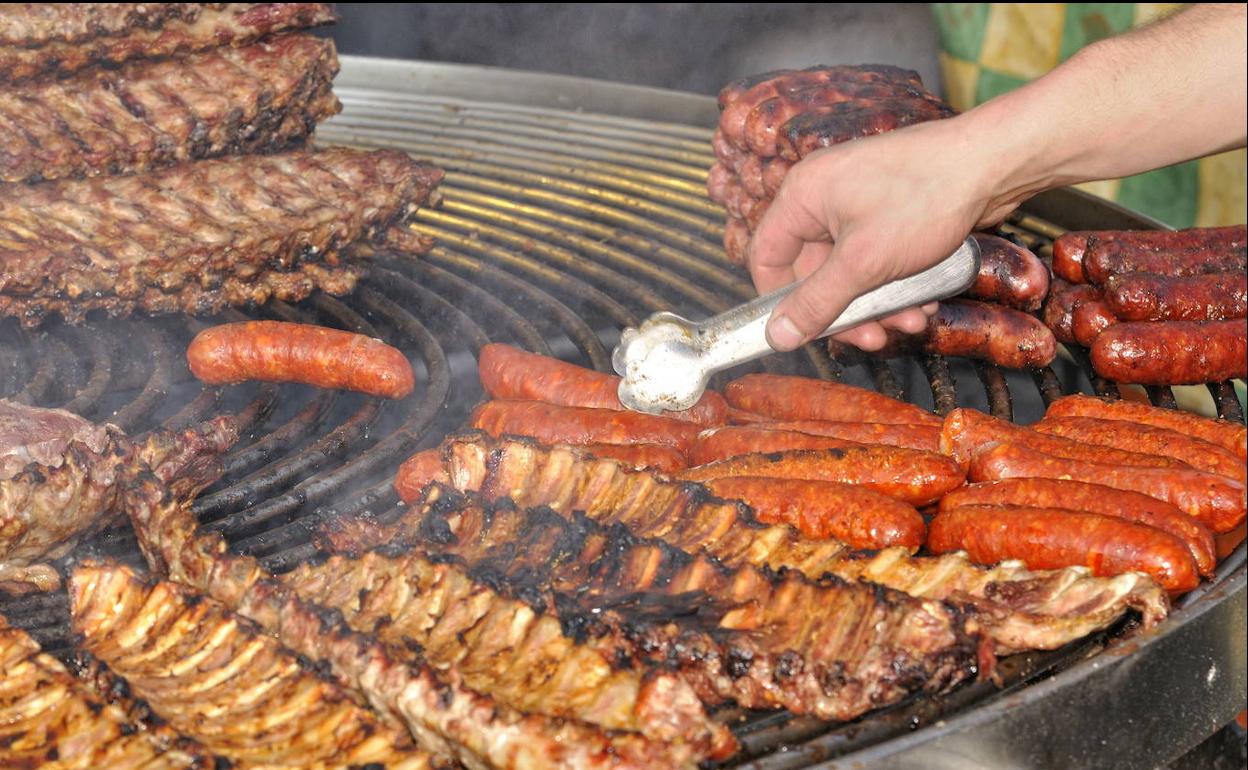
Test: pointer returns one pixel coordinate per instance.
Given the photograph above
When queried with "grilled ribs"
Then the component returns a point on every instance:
(502, 648)
(61, 38)
(446, 717)
(62, 479)
(1019, 608)
(260, 98)
(218, 679)
(826, 647)
(200, 236)
(50, 719)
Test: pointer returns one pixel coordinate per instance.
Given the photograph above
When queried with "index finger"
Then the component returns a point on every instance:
(786, 227)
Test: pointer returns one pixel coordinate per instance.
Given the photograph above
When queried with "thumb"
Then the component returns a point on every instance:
(821, 297)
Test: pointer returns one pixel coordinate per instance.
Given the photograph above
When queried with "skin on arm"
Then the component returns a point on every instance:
(857, 215)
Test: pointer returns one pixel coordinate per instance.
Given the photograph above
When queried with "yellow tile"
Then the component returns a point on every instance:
(960, 78)
(1146, 12)
(1223, 185)
(1023, 39)
(1105, 188)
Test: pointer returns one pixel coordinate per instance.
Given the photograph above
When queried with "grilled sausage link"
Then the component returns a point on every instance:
(1226, 434)
(862, 518)
(513, 374)
(552, 424)
(1215, 501)
(1184, 252)
(916, 477)
(967, 432)
(417, 472)
(1089, 318)
(1001, 335)
(924, 437)
(1052, 538)
(802, 398)
(1092, 498)
(1147, 439)
(1172, 352)
(733, 441)
(1068, 252)
(1009, 274)
(1208, 297)
(278, 351)
(1060, 307)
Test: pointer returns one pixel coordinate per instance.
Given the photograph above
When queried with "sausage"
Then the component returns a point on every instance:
(1004, 336)
(1088, 319)
(1147, 439)
(741, 417)
(924, 437)
(513, 374)
(801, 398)
(1052, 538)
(1092, 498)
(736, 241)
(664, 459)
(967, 432)
(1226, 434)
(1009, 274)
(1215, 501)
(418, 472)
(733, 441)
(916, 477)
(774, 172)
(859, 517)
(1147, 297)
(1184, 252)
(553, 424)
(279, 351)
(1172, 352)
(1059, 308)
(1068, 251)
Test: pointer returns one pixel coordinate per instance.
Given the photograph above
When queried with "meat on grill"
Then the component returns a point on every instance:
(197, 237)
(63, 478)
(260, 98)
(1018, 608)
(213, 676)
(825, 647)
(61, 38)
(50, 718)
(446, 717)
(502, 648)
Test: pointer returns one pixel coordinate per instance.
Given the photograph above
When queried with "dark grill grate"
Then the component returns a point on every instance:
(558, 229)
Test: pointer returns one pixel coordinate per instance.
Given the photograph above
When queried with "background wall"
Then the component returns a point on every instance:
(686, 46)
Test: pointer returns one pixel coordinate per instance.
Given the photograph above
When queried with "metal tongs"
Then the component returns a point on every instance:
(667, 362)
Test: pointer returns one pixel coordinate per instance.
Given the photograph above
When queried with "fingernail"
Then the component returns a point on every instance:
(782, 334)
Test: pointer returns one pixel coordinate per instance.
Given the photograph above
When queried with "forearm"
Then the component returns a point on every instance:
(1159, 95)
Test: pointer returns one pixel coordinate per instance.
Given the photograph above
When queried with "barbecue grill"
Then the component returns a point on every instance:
(572, 209)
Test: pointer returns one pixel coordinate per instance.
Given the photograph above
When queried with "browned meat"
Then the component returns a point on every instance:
(216, 678)
(451, 720)
(260, 98)
(1019, 609)
(48, 718)
(199, 236)
(503, 649)
(766, 640)
(62, 38)
(62, 479)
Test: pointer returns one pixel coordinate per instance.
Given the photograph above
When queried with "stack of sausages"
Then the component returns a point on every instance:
(1154, 307)
(1110, 485)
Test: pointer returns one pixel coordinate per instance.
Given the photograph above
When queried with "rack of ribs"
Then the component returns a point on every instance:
(58, 39)
(201, 236)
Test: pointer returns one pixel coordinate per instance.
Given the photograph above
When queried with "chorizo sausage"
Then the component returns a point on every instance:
(1182, 252)
(419, 471)
(1226, 434)
(279, 351)
(916, 477)
(1009, 274)
(1147, 439)
(1089, 318)
(553, 424)
(859, 517)
(736, 440)
(1068, 252)
(1172, 352)
(1053, 538)
(1092, 498)
(1147, 297)
(1001, 335)
(1059, 308)
(512, 374)
(802, 398)
(924, 437)
(1215, 501)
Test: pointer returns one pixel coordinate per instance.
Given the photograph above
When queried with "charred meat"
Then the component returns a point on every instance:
(260, 98)
(62, 478)
(197, 237)
(61, 38)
